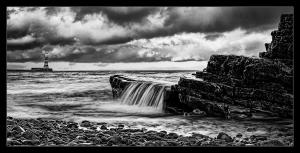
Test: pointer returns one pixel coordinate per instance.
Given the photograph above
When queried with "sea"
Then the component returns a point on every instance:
(77, 96)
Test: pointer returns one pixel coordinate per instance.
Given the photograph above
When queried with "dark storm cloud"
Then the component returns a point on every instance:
(30, 55)
(225, 18)
(39, 42)
(122, 15)
(213, 36)
(78, 31)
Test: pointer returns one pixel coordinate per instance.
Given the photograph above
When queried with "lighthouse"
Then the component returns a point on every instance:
(46, 67)
(46, 61)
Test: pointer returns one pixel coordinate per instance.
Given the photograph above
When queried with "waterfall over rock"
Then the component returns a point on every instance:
(144, 94)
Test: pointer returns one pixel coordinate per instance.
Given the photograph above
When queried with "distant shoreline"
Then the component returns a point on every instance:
(16, 70)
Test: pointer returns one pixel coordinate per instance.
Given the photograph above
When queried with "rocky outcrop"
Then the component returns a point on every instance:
(259, 85)
(281, 46)
(119, 83)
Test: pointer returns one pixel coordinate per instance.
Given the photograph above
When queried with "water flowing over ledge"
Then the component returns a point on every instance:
(144, 94)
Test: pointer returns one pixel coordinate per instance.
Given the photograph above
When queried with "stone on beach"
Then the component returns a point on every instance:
(224, 136)
(85, 123)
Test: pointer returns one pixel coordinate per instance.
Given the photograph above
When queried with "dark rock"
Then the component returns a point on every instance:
(103, 127)
(29, 135)
(251, 129)
(272, 143)
(198, 112)
(172, 143)
(162, 134)
(281, 46)
(141, 140)
(165, 132)
(118, 84)
(251, 71)
(239, 135)
(31, 142)
(258, 137)
(224, 136)
(85, 123)
(94, 127)
(72, 125)
(120, 126)
(161, 143)
(172, 135)
(18, 129)
(115, 139)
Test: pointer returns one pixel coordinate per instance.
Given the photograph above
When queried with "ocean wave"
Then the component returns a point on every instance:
(86, 93)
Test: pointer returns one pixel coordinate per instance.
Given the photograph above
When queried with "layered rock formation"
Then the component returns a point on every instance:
(263, 85)
(281, 47)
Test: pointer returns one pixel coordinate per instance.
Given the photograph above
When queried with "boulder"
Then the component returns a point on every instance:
(85, 123)
(224, 136)
(103, 127)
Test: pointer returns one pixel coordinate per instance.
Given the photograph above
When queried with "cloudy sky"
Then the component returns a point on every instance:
(135, 38)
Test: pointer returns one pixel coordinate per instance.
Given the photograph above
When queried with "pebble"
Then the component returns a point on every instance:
(72, 125)
(18, 129)
(103, 127)
(198, 112)
(29, 135)
(239, 135)
(172, 143)
(30, 142)
(115, 139)
(272, 143)
(224, 136)
(120, 126)
(85, 123)
(172, 135)
(251, 129)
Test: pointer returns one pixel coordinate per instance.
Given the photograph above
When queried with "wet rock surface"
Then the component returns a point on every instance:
(281, 46)
(62, 135)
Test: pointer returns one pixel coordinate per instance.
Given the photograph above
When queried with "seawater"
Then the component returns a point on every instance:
(77, 96)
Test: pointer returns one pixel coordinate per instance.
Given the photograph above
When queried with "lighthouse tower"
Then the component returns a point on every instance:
(46, 67)
(46, 61)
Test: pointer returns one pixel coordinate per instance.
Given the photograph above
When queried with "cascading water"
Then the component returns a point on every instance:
(144, 94)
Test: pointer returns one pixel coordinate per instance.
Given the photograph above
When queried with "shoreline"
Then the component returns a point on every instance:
(54, 132)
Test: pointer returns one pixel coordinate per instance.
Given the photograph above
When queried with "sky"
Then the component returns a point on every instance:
(135, 38)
